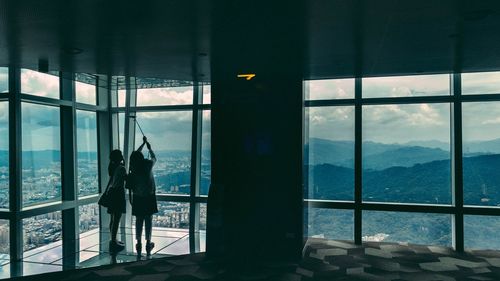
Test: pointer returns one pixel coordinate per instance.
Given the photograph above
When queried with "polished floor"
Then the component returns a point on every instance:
(49, 258)
(322, 260)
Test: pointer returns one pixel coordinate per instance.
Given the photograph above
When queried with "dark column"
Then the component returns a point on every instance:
(70, 227)
(257, 131)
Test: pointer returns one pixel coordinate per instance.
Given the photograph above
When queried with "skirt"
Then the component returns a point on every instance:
(144, 206)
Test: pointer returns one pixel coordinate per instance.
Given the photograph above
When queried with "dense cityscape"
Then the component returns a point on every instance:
(44, 185)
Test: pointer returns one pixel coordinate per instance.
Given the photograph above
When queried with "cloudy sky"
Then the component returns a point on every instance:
(172, 130)
(404, 123)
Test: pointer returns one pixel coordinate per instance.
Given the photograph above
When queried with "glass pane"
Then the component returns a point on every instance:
(4, 155)
(203, 216)
(207, 94)
(4, 239)
(406, 153)
(121, 130)
(89, 225)
(481, 232)
(171, 215)
(329, 89)
(329, 152)
(4, 79)
(415, 228)
(42, 238)
(481, 83)
(39, 84)
(121, 98)
(206, 148)
(481, 152)
(406, 86)
(89, 217)
(41, 165)
(86, 133)
(330, 223)
(85, 93)
(165, 96)
(170, 136)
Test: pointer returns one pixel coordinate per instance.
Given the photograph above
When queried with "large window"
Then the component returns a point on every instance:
(86, 152)
(4, 79)
(85, 93)
(170, 136)
(165, 96)
(381, 157)
(42, 237)
(406, 155)
(41, 158)
(39, 84)
(329, 152)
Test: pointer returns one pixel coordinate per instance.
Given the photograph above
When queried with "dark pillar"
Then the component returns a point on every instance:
(257, 131)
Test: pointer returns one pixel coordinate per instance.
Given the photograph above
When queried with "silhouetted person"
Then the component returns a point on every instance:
(115, 197)
(143, 187)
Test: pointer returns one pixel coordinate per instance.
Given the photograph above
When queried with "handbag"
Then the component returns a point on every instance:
(105, 199)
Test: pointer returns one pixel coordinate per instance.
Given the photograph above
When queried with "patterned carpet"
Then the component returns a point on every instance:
(323, 260)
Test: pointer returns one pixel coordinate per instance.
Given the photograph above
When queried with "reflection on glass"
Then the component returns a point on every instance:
(330, 223)
(481, 152)
(170, 136)
(406, 86)
(41, 155)
(89, 226)
(4, 79)
(4, 239)
(121, 98)
(39, 84)
(86, 133)
(415, 228)
(85, 93)
(4, 155)
(203, 216)
(207, 94)
(481, 232)
(121, 131)
(329, 89)
(171, 215)
(329, 152)
(40, 231)
(89, 217)
(481, 83)
(165, 96)
(206, 148)
(406, 153)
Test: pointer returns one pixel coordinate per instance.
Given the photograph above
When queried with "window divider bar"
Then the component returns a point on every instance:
(194, 218)
(15, 164)
(358, 169)
(457, 164)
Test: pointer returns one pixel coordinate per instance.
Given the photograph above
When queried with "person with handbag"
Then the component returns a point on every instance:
(141, 184)
(113, 198)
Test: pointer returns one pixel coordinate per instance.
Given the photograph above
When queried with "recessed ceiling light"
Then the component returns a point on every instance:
(72, 51)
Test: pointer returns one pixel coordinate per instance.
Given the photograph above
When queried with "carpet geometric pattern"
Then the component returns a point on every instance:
(322, 260)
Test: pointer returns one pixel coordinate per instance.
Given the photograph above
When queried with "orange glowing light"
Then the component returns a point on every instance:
(248, 76)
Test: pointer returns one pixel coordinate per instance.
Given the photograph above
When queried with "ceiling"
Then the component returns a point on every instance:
(195, 39)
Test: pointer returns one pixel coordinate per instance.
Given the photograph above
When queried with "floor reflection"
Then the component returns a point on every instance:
(49, 258)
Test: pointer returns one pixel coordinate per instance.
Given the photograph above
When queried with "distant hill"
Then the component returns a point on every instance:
(421, 183)
(404, 157)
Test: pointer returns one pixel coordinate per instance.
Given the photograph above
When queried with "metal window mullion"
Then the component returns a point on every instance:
(70, 227)
(457, 164)
(358, 169)
(15, 165)
(104, 142)
(194, 208)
